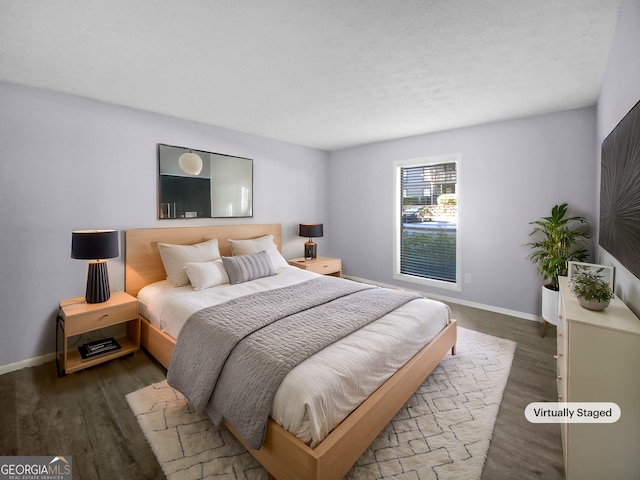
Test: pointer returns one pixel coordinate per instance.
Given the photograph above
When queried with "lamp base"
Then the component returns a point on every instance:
(310, 250)
(97, 283)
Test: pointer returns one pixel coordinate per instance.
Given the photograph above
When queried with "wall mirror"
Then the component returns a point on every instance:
(199, 184)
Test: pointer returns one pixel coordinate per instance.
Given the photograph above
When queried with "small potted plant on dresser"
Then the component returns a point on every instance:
(557, 239)
(592, 291)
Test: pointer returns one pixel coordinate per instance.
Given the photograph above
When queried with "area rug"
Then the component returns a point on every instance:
(442, 432)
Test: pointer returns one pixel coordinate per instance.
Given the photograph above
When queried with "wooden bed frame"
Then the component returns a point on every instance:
(282, 454)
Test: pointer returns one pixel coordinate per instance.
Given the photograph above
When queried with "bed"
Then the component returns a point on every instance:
(283, 454)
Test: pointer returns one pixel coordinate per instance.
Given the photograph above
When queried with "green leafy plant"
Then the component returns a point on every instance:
(590, 286)
(557, 240)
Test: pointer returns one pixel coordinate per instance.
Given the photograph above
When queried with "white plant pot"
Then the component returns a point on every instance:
(550, 299)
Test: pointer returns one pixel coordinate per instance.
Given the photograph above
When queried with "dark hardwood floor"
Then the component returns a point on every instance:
(520, 449)
(85, 414)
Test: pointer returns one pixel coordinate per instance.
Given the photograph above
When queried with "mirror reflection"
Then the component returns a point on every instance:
(199, 184)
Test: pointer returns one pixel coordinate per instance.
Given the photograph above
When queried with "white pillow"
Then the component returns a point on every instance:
(174, 258)
(206, 274)
(257, 245)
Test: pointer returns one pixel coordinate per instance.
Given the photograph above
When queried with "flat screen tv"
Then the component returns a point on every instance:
(620, 192)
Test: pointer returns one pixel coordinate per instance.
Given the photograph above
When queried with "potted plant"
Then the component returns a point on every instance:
(557, 239)
(592, 291)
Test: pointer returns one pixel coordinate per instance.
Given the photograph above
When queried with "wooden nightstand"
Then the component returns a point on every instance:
(323, 265)
(76, 317)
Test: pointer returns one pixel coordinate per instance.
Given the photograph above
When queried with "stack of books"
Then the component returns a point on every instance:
(91, 349)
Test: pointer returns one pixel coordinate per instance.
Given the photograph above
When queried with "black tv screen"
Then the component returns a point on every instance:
(620, 192)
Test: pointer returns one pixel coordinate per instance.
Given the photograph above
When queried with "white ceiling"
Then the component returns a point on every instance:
(322, 73)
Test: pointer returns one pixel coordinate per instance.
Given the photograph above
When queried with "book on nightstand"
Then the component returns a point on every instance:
(91, 349)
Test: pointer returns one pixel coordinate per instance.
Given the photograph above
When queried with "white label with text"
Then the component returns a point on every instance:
(572, 412)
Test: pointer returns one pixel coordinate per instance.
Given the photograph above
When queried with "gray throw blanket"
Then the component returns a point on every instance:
(230, 358)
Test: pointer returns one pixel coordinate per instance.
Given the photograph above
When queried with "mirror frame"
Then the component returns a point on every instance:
(236, 191)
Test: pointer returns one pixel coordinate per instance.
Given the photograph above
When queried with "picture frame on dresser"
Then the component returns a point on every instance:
(605, 272)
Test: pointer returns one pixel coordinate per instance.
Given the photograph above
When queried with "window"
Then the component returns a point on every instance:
(427, 246)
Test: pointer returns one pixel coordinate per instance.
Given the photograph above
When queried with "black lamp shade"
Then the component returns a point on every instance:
(312, 230)
(95, 245)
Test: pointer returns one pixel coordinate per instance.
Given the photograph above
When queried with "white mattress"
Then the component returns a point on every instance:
(320, 392)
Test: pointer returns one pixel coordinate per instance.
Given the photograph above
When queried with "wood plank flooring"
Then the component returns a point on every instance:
(520, 449)
(85, 414)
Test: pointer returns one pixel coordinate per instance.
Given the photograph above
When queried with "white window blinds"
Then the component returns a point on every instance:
(427, 230)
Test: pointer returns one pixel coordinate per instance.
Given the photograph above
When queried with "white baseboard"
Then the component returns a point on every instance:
(442, 298)
(29, 362)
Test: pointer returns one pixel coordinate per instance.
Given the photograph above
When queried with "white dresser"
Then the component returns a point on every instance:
(599, 361)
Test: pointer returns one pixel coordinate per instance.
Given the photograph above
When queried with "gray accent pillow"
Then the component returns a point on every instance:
(242, 268)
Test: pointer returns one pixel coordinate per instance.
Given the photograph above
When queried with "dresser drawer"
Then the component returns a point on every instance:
(87, 321)
(326, 266)
(561, 353)
(561, 378)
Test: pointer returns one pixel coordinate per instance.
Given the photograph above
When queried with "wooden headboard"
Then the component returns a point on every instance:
(143, 264)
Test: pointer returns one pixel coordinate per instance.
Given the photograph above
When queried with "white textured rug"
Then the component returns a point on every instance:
(442, 432)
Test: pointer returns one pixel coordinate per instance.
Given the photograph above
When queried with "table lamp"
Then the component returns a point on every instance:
(97, 246)
(311, 231)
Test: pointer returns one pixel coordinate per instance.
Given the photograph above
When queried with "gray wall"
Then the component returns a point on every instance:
(620, 92)
(69, 163)
(511, 173)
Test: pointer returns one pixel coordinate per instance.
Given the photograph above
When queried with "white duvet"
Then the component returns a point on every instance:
(320, 392)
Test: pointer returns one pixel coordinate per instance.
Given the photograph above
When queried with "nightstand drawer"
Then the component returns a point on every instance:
(326, 266)
(100, 318)
(321, 265)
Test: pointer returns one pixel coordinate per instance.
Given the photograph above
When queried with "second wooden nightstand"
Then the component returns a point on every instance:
(76, 317)
(322, 265)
